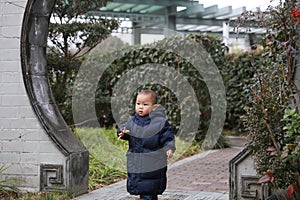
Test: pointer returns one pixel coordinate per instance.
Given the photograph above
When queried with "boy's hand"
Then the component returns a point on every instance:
(170, 153)
(123, 132)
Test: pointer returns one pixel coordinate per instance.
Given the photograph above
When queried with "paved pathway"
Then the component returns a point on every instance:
(201, 177)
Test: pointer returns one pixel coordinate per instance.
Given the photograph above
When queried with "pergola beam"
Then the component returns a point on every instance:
(235, 13)
(199, 22)
(211, 10)
(132, 16)
(185, 3)
(221, 12)
(190, 11)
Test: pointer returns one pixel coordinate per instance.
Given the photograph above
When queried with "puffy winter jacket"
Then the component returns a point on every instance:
(149, 139)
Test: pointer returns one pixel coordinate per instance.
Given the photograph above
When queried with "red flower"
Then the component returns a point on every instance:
(295, 13)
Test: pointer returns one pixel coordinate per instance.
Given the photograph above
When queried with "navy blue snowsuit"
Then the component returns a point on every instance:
(149, 139)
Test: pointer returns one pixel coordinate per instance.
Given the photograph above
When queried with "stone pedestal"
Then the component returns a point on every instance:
(243, 179)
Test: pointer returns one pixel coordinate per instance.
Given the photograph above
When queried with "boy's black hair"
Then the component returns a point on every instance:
(151, 92)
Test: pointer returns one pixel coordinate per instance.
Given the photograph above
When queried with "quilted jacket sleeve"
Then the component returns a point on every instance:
(167, 138)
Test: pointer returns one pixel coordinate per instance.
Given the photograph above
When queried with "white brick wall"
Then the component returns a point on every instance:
(24, 144)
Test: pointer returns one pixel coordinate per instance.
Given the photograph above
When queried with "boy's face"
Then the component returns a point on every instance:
(144, 104)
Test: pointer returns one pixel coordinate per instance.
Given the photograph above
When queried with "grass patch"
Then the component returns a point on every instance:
(101, 175)
(107, 156)
(44, 196)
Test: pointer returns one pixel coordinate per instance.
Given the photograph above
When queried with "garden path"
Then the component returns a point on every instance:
(199, 177)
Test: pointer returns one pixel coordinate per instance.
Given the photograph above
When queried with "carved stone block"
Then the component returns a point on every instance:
(52, 177)
(243, 179)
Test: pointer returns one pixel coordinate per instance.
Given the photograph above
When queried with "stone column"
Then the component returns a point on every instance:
(226, 33)
(171, 17)
(136, 34)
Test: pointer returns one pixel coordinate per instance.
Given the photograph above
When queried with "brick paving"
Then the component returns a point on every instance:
(201, 177)
(208, 174)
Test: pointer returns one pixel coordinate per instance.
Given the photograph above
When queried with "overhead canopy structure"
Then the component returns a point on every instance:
(152, 16)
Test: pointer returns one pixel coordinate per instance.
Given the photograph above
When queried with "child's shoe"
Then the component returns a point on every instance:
(154, 198)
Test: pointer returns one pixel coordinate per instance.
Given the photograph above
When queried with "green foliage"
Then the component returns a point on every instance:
(104, 146)
(157, 53)
(45, 196)
(292, 127)
(73, 32)
(8, 185)
(238, 76)
(107, 155)
(101, 174)
(272, 129)
(291, 151)
(236, 71)
(63, 67)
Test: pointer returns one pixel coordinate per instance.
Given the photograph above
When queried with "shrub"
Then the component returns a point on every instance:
(155, 54)
(271, 131)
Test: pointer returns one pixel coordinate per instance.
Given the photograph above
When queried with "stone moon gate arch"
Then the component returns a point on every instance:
(72, 173)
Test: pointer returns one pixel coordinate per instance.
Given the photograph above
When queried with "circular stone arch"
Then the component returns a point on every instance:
(34, 36)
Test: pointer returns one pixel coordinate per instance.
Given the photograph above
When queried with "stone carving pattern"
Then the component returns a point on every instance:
(52, 177)
(249, 187)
